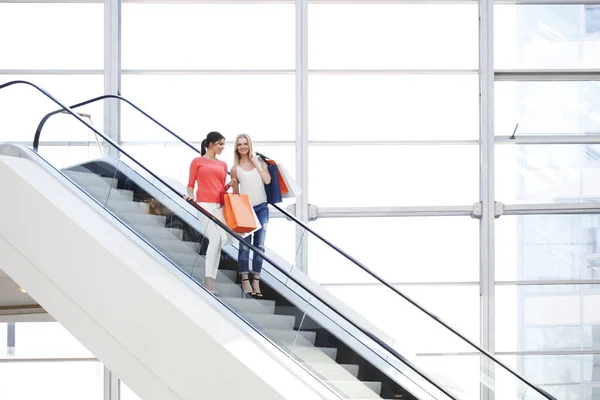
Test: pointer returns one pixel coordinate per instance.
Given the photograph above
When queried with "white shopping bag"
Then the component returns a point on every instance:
(294, 189)
(258, 225)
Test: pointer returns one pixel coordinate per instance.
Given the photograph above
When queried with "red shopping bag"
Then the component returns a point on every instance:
(238, 213)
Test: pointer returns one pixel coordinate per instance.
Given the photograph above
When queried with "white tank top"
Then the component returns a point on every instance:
(252, 184)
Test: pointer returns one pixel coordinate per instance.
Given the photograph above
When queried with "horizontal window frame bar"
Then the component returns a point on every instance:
(546, 2)
(407, 211)
(51, 1)
(557, 282)
(399, 284)
(551, 209)
(185, 72)
(574, 352)
(522, 139)
(563, 282)
(48, 360)
(285, 71)
(517, 75)
(51, 72)
(392, 2)
(209, 1)
(393, 71)
(361, 143)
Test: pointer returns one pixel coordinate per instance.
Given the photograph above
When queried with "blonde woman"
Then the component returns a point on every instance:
(249, 175)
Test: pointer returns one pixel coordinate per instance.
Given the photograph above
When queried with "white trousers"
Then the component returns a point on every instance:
(216, 236)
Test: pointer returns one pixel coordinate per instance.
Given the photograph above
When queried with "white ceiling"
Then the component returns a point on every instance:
(14, 304)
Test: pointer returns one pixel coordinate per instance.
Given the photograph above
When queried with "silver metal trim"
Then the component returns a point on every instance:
(548, 74)
(552, 208)
(523, 139)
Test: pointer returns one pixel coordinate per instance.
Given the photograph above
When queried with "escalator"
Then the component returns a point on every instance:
(345, 348)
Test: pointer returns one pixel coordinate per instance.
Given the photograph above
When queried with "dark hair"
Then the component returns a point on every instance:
(212, 137)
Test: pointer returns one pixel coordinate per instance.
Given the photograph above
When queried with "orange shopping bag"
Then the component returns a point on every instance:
(238, 213)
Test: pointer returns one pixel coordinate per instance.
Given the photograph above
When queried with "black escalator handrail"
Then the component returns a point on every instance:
(411, 301)
(212, 218)
(48, 95)
(38, 132)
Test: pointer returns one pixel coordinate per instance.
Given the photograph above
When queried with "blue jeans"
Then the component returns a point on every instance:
(262, 212)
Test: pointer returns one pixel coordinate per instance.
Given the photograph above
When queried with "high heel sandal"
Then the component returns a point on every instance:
(251, 292)
(257, 293)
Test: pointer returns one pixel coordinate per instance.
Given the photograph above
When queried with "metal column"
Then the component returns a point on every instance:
(302, 130)
(112, 70)
(111, 385)
(486, 185)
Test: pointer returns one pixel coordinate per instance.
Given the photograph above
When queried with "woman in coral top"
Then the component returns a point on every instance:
(209, 174)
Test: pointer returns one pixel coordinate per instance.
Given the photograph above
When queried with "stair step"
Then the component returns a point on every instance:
(134, 207)
(225, 289)
(90, 179)
(311, 354)
(292, 337)
(173, 245)
(270, 321)
(333, 371)
(159, 232)
(136, 220)
(356, 389)
(250, 305)
(107, 192)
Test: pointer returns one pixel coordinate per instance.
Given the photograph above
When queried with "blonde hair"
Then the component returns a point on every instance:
(236, 155)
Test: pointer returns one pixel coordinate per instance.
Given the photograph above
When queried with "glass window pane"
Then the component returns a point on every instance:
(177, 169)
(23, 107)
(46, 340)
(592, 20)
(125, 393)
(3, 339)
(387, 36)
(528, 174)
(51, 36)
(371, 241)
(393, 107)
(544, 36)
(208, 36)
(260, 105)
(547, 107)
(461, 312)
(560, 375)
(51, 380)
(346, 176)
(548, 247)
(547, 317)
